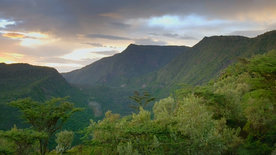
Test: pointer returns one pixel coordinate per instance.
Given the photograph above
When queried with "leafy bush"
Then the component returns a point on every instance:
(64, 140)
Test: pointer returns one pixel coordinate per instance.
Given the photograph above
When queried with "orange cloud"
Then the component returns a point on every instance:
(10, 57)
(29, 39)
(14, 35)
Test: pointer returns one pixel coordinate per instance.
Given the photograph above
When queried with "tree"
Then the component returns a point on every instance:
(6, 147)
(142, 99)
(64, 140)
(47, 117)
(23, 139)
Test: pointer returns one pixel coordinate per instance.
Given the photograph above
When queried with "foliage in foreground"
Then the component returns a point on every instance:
(19, 141)
(45, 119)
(64, 140)
(233, 115)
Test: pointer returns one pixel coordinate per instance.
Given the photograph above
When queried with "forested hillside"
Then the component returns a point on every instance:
(206, 59)
(234, 114)
(192, 66)
(39, 83)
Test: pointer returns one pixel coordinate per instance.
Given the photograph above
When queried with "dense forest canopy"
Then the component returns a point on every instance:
(234, 114)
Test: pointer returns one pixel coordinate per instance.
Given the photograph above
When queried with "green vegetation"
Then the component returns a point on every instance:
(40, 84)
(152, 69)
(45, 119)
(19, 141)
(64, 140)
(234, 114)
(141, 100)
(206, 60)
(245, 96)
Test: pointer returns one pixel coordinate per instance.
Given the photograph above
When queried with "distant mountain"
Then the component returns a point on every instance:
(39, 83)
(162, 69)
(158, 67)
(205, 60)
(23, 80)
(118, 70)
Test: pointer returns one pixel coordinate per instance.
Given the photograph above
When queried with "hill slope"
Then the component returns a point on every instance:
(39, 83)
(206, 59)
(118, 70)
(193, 66)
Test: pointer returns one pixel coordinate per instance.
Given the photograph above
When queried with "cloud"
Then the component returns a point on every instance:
(175, 36)
(94, 44)
(4, 23)
(69, 17)
(172, 35)
(251, 33)
(184, 37)
(88, 53)
(178, 22)
(10, 57)
(149, 41)
(28, 39)
(120, 25)
(188, 38)
(85, 24)
(142, 41)
(107, 53)
(14, 35)
(111, 15)
(59, 60)
(64, 67)
(19, 35)
(109, 37)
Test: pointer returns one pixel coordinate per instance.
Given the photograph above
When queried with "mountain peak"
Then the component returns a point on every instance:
(132, 45)
(135, 46)
(133, 62)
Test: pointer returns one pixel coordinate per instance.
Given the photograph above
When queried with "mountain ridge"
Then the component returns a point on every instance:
(135, 60)
(207, 53)
(194, 66)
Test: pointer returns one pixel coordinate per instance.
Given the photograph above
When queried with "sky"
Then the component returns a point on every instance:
(69, 34)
